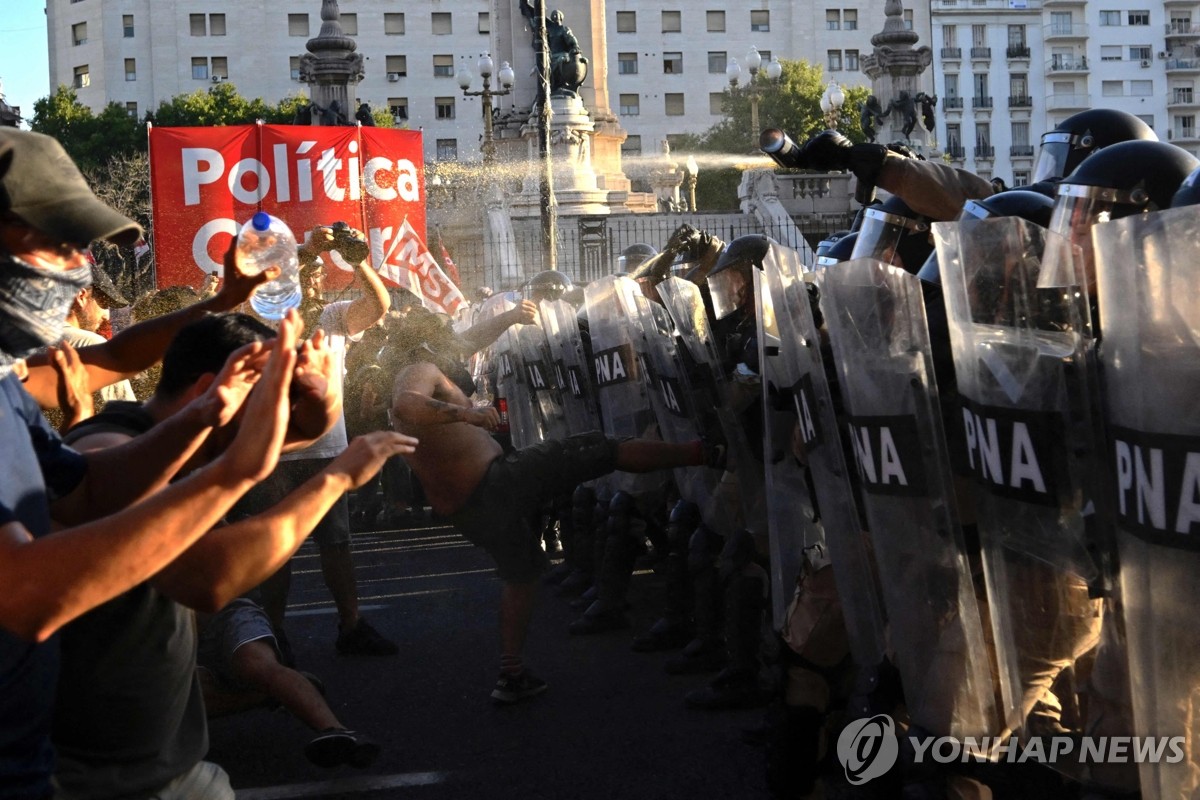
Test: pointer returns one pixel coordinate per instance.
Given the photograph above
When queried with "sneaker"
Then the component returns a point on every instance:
(512, 689)
(335, 746)
(364, 640)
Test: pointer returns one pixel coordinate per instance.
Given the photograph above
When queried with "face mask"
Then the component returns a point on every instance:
(34, 304)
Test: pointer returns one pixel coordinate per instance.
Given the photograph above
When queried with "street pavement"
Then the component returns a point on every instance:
(612, 725)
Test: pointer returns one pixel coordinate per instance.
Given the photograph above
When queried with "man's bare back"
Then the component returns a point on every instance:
(456, 446)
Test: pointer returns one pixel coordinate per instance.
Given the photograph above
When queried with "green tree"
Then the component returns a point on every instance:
(90, 139)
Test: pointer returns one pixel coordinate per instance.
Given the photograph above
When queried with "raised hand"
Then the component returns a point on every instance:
(314, 368)
(74, 395)
(366, 455)
(236, 285)
(227, 393)
(525, 313)
(486, 417)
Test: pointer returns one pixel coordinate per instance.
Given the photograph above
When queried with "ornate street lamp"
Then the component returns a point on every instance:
(693, 171)
(754, 89)
(831, 104)
(506, 78)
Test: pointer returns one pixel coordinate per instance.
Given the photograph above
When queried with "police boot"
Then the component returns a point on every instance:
(706, 651)
(607, 613)
(561, 515)
(583, 508)
(674, 628)
(599, 542)
(746, 584)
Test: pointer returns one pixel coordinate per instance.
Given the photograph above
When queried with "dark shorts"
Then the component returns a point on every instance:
(333, 528)
(239, 623)
(496, 516)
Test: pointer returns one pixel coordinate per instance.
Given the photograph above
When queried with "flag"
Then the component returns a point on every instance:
(409, 263)
(448, 263)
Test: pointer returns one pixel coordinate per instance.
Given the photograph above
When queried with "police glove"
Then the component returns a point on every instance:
(829, 151)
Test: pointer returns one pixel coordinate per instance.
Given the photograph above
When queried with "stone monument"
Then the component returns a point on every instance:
(895, 68)
(332, 70)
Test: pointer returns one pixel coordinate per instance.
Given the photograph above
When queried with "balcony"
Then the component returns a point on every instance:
(1017, 51)
(1020, 151)
(984, 152)
(981, 102)
(981, 54)
(1020, 101)
(1183, 65)
(1182, 30)
(1053, 3)
(1181, 98)
(951, 103)
(1181, 134)
(951, 53)
(1077, 30)
(1068, 102)
(987, 5)
(1065, 64)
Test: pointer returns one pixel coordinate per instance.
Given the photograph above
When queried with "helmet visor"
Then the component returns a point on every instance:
(880, 235)
(729, 289)
(1052, 157)
(1069, 259)
(931, 271)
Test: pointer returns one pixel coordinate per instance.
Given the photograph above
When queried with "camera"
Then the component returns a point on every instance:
(349, 242)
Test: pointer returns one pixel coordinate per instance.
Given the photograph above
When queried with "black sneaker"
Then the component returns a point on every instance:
(364, 640)
(335, 746)
(512, 689)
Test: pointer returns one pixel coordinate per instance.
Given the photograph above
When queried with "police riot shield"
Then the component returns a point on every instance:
(1021, 354)
(794, 374)
(1146, 267)
(568, 365)
(875, 315)
(619, 379)
(541, 415)
(482, 365)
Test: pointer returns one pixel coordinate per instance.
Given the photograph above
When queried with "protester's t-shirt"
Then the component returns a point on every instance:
(337, 332)
(121, 390)
(35, 469)
(129, 717)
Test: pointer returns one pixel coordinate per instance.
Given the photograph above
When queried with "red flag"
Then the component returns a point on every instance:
(409, 263)
(448, 263)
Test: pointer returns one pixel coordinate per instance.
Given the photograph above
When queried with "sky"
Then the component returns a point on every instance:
(24, 62)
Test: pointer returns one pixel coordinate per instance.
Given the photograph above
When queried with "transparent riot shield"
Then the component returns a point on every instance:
(568, 365)
(1021, 354)
(618, 376)
(875, 315)
(534, 388)
(484, 364)
(793, 372)
(1146, 268)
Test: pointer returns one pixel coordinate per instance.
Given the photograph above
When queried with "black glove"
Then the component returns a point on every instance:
(828, 151)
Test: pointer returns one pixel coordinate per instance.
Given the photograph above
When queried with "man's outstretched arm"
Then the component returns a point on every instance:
(423, 396)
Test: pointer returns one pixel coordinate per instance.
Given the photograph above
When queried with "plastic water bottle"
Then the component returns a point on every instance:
(266, 241)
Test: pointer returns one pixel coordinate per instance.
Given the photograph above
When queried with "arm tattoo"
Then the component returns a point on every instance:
(444, 412)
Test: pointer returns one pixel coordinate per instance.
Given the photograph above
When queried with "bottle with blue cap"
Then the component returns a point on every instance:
(266, 241)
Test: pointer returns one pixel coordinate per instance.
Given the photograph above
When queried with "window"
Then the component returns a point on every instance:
(630, 105)
(834, 60)
(1064, 88)
(833, 19)
(1110, 52)
(349, 24)
(1181, 24)
(442, 23)
(83, 78)
(131, 69)
(220, 67)
(297, 24)
(1112, 88)
(1020, 134)
(673, 104)
(1141, 88)
(1146, 118)
(443, 66)
(627, 63)
(1139, 17)
(954, 138)
(131, 109)
(950, 36)
(397, 65)
(852, 60)
(398, 107)
(952, 84)
(718, 60)
(1141, 52)
(672, 21)
(716, 103)
(199, 69)
(294, 66)
(1018, 84)
(626, 22)
(79, 33)
(760, 21)
(766, 56)
(1016, 36)
(1060, 23)
(447, 149)
(127, 25)
(983, 135)
(908, 19)
(672, 63)
(979, 36)
(715, 21)
(216, 24)
(393, 24)
(632, 146)
(850, 19)
(198, 24)
(1020, 177)
(485, 22)
(980, 81)
(1108, 18)
(443, 107)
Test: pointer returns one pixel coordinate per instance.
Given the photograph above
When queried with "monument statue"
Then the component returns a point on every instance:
(906, 106)
(927, 103)
(871, 114)
(568, 66)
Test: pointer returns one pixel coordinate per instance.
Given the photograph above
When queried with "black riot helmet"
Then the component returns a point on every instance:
(828, 242)
(1080, 135)
(894, 234)
(633, 256)
(837, 252)
(1033, 206)
(548, 284)
(1188, 193)
(729, 282)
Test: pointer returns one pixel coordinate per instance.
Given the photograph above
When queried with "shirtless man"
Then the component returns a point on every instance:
(486, 495)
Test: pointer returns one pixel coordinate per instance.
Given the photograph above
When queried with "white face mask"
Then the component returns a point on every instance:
(34, 303)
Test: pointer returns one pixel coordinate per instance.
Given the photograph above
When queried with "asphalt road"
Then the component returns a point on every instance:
(612, 725)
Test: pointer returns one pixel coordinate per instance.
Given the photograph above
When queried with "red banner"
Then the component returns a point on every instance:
(410, 264)
(206, 182)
